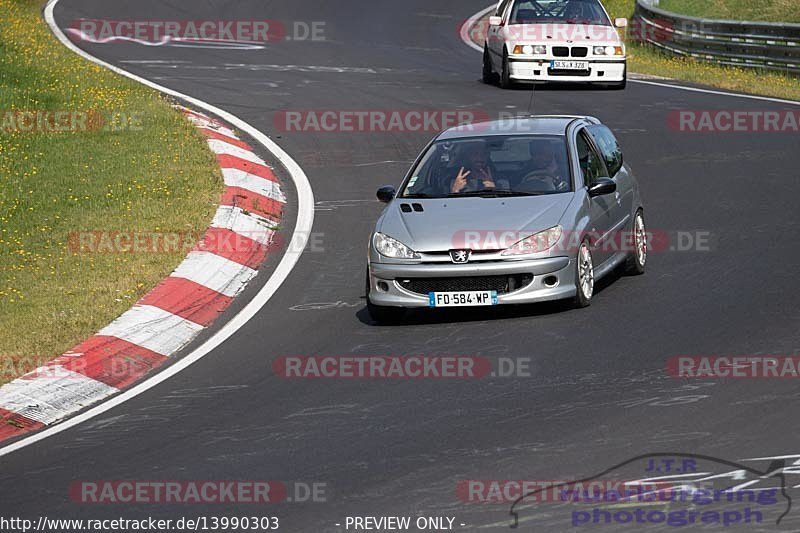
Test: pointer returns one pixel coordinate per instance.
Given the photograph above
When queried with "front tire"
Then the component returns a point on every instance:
(379, 313)
(505, 77)
(620, 85)
(584, 276)
(489, 76)
(637, 260)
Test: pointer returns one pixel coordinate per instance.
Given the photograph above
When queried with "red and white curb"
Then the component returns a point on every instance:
(171, 315)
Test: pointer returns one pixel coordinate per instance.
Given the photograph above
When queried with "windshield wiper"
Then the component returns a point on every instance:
(492, 193)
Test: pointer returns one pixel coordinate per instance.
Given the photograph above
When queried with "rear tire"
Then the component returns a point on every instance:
(489, 76)
(637, 260)
(381, 314)
(584, 276)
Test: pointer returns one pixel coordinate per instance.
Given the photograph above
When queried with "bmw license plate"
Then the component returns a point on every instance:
(462, 298)
(569, 65)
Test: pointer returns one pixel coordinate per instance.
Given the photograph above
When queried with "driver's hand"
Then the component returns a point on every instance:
(460, 182)
(488, 183)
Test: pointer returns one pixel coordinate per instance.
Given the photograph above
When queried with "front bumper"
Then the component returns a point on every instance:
(600, 70)
(385, 289)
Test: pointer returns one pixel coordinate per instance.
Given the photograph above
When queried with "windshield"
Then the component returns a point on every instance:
(559, 12)
(492, 166)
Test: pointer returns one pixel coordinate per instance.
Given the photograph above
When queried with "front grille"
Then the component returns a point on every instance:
(501, 284)
(476, 256)
(575, 51)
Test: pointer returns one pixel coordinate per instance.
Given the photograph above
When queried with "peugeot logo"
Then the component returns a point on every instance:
(460, 256)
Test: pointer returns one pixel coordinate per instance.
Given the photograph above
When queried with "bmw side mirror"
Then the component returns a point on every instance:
(602, 186)
(386, 194)
(495, 21)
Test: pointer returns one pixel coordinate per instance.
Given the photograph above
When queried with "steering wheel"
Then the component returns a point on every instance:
(544, 181)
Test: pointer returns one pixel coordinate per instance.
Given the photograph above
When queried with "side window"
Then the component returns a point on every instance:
(501, 8)
(591, 162)
(611, 151)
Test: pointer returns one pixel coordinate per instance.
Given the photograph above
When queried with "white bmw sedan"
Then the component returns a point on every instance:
(554, 41)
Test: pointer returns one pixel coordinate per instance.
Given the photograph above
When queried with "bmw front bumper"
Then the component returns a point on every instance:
(600, 70)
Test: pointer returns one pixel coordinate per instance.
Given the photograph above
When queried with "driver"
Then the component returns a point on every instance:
(475, 173)
(543, 158)
(544, 168)
(575, 11)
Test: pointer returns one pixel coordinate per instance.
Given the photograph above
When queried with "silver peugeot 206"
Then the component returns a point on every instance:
(506, 212)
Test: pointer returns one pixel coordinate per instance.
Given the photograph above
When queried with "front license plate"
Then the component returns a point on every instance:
(462, 298)
(569, 65)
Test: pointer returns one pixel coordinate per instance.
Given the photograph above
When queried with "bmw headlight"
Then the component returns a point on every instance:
(530, 49)
(390, 247)
(608, 51)
(538, 242)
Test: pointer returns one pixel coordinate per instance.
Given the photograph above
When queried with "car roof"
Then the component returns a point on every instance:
(530, 125)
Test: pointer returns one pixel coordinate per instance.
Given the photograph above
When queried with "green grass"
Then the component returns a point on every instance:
(156, 177)
(648, 60)
(763, 10)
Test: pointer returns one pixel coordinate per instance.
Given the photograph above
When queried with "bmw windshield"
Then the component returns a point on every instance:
(559, 12)
(492, 166)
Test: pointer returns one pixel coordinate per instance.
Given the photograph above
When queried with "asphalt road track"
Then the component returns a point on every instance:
(598, 393)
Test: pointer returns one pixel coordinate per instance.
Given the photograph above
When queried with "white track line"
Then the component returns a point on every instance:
(302, 230)
(477, 16)
(469, 23)
(720, 93)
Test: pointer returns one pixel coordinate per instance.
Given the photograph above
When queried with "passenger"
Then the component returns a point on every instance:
(476, 172)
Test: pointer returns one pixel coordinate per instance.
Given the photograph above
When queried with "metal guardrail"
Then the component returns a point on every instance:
(764, 45)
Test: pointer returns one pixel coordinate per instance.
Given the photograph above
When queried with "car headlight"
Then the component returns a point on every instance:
(608, 50)
(530, 49)
(390, 247)
(538, 242)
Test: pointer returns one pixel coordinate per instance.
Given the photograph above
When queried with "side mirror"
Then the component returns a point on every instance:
(621, 22)
(495, 21)
(602, 186)
(386, 194)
